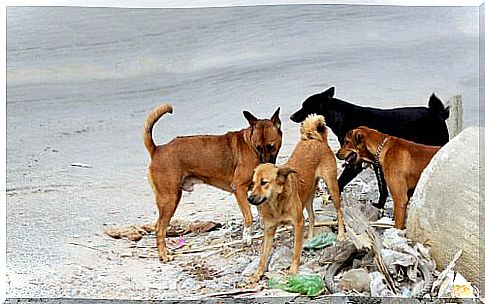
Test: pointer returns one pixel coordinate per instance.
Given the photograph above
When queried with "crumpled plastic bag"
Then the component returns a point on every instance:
(378, 287)
(309, 285)
(394, 259)
(398, 254)
(321, 241)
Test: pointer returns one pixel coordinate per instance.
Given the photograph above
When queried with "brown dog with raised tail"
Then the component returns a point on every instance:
(223, 161)
(282, 192)
(402, 162)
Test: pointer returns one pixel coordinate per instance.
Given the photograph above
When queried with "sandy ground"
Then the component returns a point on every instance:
(56, 246)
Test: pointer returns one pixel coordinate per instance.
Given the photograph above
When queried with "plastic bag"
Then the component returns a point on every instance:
(310, 285)
(321, 241)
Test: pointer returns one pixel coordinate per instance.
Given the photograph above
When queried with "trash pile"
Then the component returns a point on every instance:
(375, 260)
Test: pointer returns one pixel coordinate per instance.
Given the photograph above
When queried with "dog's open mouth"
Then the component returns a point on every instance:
(350, 159)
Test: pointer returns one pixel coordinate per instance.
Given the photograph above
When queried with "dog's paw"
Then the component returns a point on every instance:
(166, 258)
(247, 235)
(254, 278)
(341, 236)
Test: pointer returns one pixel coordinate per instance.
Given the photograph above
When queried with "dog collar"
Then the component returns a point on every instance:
(378, 151)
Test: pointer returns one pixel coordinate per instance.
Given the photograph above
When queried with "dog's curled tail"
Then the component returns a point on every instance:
(151, 119)
(436, 106)
(313, 127)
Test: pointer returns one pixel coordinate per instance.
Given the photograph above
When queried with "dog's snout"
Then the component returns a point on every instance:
(339, 155)
(297, 116)
(254, 200)
(251, 198)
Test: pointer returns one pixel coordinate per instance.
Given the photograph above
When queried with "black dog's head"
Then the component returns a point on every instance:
(314, 104)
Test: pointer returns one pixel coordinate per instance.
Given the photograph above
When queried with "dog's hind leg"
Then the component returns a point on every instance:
(330, 178)
(167, 204)
(311, 218)
(381, 182)
(349, 173)
(242, 201)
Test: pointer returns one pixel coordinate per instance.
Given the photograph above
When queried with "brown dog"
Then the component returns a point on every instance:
(281, 193)
(223, 161)
(402, 162)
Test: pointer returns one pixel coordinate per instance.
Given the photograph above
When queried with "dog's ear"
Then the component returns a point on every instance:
(283, 173)
(276, 118)
(358, 137)
(329, 92)
(321, 127)
(250, 117)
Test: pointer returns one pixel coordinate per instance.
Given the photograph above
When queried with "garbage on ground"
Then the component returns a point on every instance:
(406, 270)
(131, 232)
(309, 285)
(462, 288)
(175, 229)
(374, 260)
(355, 279)
(175, 243)
(337, 253)
(321, 241)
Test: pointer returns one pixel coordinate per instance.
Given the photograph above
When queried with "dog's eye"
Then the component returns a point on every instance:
(263, 182)
(259, 148)
(269, 147)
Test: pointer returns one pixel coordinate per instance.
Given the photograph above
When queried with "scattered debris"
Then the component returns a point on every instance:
(176, 228)
(338, 253)
(309, 285)
(321, 241)
(462, 288)
(443, 286)
(355, 279)
(375, 260)
(175, 243)
(131, 232)
(81, 165)
(232, 293)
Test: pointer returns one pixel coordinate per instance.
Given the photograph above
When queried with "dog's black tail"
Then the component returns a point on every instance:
(436, 106)
(150, 121)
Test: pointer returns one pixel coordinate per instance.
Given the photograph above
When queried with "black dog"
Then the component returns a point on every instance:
(424, 125)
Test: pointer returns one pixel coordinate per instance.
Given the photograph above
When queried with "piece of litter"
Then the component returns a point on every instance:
(309, 285)
(321, 241)
(173, 244)
(81, 165)
(462, 288)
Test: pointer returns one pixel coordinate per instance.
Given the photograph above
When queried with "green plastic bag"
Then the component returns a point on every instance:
(321, 241)
(309, 285)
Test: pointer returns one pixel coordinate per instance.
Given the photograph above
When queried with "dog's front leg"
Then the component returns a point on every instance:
(269, 233)
(242, 201)
(295, 262)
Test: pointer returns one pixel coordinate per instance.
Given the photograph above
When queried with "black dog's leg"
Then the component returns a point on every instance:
(381, 182)
(349, 173)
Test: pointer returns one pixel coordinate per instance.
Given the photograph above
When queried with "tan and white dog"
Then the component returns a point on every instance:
(282, 192)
